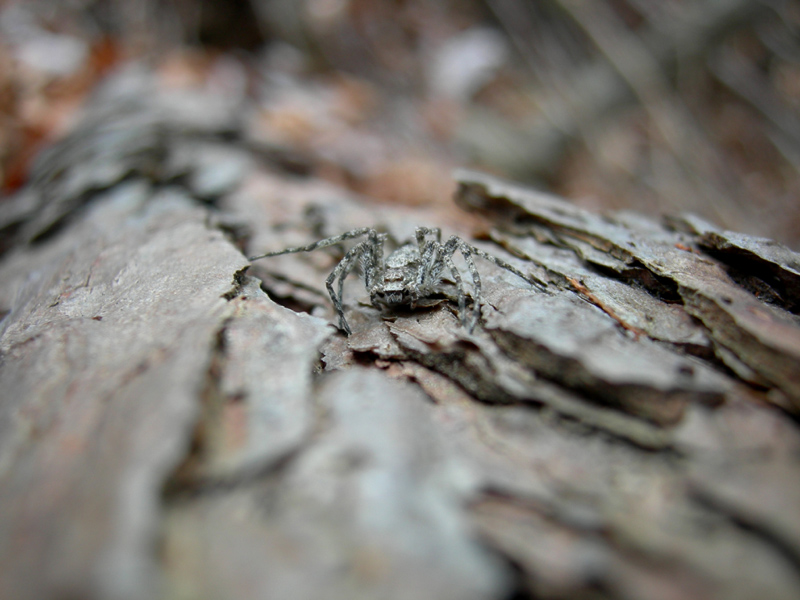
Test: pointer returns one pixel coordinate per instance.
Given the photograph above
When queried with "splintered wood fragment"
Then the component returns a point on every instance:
(594, 299)
(762, 336)
(743, 491)
(481, 367)
(255, 407)
(632, 306)
(760, 258)
(577, 345)
(374, 505)
(555, 501)
(765, 266)
(102, 357)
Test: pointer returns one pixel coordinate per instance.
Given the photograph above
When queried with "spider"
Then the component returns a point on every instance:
(410, 275)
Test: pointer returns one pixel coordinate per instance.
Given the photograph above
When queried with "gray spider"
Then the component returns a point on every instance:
(410, 275)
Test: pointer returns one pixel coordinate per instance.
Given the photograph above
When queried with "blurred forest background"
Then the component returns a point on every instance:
(661, 106)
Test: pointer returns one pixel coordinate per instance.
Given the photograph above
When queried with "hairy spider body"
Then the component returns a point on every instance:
(409, 275)
(395, 289)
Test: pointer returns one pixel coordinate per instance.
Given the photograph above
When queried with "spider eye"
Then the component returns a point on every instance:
(391, 297)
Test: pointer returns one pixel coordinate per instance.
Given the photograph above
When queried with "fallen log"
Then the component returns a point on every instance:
(178, 423)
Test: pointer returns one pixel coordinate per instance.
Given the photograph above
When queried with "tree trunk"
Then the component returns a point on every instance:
(175, 423)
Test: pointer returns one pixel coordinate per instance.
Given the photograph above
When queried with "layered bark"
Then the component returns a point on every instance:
(174, 424)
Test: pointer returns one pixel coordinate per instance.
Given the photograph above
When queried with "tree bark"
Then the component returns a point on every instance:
(175, 423)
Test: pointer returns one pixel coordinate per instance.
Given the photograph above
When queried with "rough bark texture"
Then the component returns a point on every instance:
(174, 425)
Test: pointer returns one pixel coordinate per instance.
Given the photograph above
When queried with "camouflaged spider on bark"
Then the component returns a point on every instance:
(410, 275)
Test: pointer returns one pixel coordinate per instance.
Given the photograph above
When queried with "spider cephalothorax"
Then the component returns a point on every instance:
(410, 275)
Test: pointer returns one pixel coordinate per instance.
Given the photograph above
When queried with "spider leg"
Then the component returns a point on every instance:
(467, 250)
(372, 259)
(322, 243)
(453, 244)
(421, 232)
(349, 262)
(504, 265)
(341, 271)
(462, 293)
(426, 266)
(427, 271)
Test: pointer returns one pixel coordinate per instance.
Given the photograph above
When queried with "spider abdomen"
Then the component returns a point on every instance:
(403, 258)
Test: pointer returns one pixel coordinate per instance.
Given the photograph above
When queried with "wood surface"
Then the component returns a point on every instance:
(175, 423)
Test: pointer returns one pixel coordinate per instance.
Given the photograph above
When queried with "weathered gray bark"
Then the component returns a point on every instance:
(171, 427)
